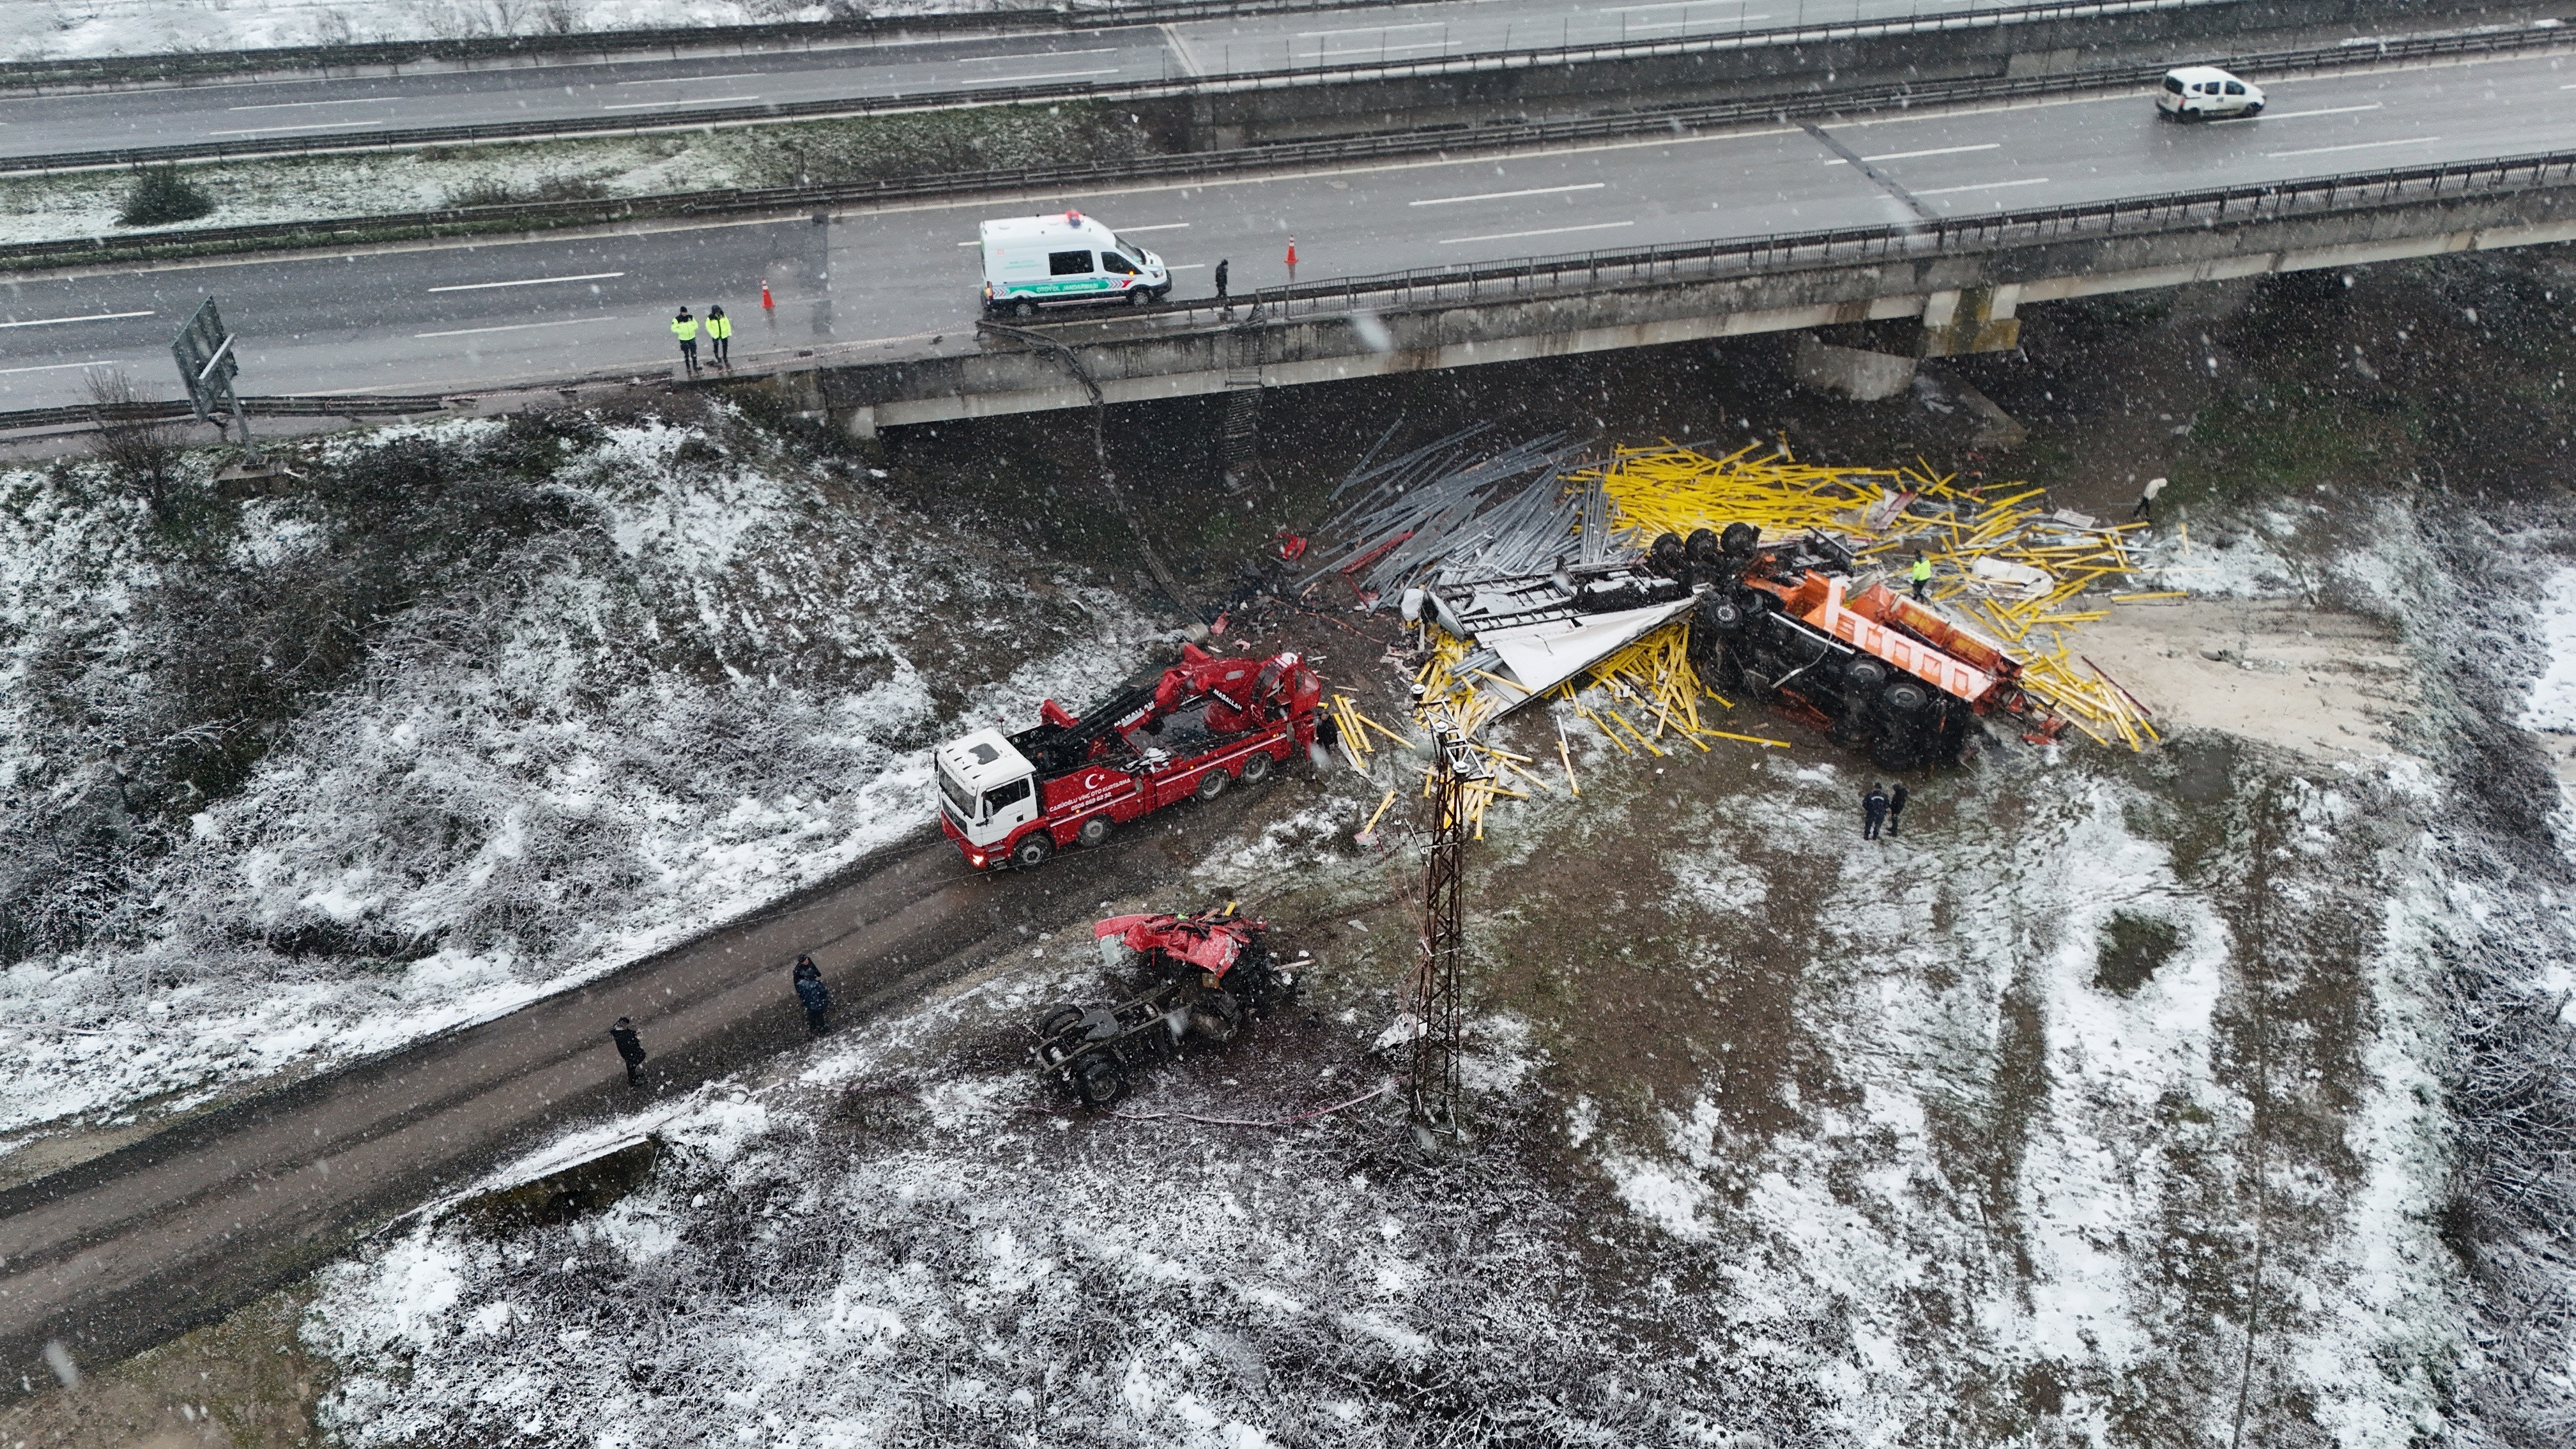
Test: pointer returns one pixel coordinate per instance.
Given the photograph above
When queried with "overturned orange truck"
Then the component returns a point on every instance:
(1876, 671)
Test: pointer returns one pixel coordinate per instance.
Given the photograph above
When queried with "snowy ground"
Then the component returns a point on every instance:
(2105, 1107)
(680, 673)
(38, 29)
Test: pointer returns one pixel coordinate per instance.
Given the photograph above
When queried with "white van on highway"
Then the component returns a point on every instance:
(1064, 257)
(2206, 93)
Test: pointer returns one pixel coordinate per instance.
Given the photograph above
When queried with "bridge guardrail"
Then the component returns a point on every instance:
(1577, 272)
(544, 214)
(993, 96)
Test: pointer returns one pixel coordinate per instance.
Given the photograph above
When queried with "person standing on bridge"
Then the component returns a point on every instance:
(685, 327)
(720, 336)
(812, 993)
(1220, 287)
(629, 1048)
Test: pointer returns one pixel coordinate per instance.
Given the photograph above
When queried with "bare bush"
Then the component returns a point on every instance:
(142, 450)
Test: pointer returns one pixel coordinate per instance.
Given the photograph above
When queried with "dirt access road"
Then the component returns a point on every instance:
(126, 1250)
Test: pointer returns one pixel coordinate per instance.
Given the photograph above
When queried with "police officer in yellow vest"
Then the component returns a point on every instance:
(685, 327)
(1921, 574)
(720, 333)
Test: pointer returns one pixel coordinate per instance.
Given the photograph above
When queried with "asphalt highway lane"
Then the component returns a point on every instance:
(903, 281)
(652, 84)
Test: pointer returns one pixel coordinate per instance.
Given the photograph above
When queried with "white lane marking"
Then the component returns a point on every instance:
(1934, 151)
(1507, 195)
(298, 105)
(1012, 80)
(1373, 29)
(1980, 186)
(529, 282)
(1158, 226)
(58, 321)
(53, 367)
(514, 327)
(309, 126)
(689, 101)
(2324, 111)
(674, 80)
(2355, 146)
(1188, 267)
(1451, 241)
(1038, 55)
(1666, 5)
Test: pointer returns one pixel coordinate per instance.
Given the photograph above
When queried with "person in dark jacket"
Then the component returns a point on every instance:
(628, 1047)
(1873, 809)
(1896, 807)
(810, 990)
(1220, 282)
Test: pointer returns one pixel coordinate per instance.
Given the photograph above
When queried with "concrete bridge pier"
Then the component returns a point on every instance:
(1971, 319)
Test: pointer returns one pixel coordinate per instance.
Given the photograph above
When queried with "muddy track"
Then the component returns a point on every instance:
(113, 1255)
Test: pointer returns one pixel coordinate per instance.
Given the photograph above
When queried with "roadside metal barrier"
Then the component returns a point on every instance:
(91, 72)
(1572, 274)
(1457, 140)
(178, 410)
(988, 97)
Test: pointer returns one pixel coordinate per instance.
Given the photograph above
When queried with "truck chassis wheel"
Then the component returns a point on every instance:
(1093, 833)
(1099, 1082)
(1213, 783)
(1256, 767)
(1033, 850)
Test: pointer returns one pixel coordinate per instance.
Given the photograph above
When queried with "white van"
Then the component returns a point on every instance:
(1033, 261)
(2204, 92)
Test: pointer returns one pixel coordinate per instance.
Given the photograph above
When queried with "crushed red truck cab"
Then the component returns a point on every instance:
(1198, 726)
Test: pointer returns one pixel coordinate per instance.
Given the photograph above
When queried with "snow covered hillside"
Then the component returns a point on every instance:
(42, 29)
(2116, 1102)
(482, 709)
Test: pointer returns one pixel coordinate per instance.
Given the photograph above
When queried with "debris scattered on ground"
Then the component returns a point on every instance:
(1532, 577)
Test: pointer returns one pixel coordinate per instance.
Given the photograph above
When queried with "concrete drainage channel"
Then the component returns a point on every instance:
(541, 216)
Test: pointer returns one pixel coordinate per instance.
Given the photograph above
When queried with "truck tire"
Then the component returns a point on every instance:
(1033, 850)
(1099, 1081)
(1094, 832)
(1059, 1019)
(1739, 540)
(1217, 1016)
(1256, 767)
(1863, 676)
(1907, 697)
(1212, 784)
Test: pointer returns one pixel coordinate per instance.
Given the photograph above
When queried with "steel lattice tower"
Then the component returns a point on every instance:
(1444, 935)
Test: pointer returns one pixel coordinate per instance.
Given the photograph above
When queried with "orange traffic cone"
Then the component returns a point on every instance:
(1292, 259)
(765, 299)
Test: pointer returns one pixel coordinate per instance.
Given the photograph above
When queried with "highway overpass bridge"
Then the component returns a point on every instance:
(1956, 217)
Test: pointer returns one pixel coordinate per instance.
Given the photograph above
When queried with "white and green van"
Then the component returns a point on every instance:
(1064, 257)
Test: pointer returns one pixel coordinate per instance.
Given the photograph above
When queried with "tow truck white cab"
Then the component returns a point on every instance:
(1065, 257)
(1185, 733)
(2206, 93)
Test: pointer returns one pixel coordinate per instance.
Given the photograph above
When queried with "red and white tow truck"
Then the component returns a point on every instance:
(1203, 723)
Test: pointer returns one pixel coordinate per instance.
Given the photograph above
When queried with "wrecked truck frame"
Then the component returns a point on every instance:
(1210, 974)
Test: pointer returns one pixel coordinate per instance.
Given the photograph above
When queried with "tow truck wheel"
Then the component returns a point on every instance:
(1059, 1019)
(1033, 850)
(1094, 832)
(1256, 768)
(1099, 1082)
(1212, 784)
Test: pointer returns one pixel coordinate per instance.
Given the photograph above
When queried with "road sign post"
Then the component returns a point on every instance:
(207, 367)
